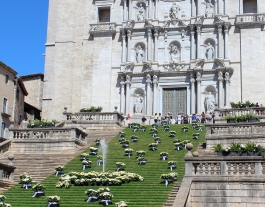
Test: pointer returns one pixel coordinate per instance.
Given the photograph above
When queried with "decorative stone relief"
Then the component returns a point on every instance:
(173, 12)
(128, 67)
(174, 52)
(102, 28)
(130, 24)
(174, 67)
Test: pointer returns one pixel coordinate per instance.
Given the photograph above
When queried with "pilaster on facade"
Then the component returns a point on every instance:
(128, 92)
(220, 89)
(122, 95)
(227, 88)
(198, 80)
(148, 95)
(155, 100)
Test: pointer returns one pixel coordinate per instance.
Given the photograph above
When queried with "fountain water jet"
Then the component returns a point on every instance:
(103, 148)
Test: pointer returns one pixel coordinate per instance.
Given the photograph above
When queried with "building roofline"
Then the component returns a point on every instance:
(8, 68)
(20, 82)
(33, 75)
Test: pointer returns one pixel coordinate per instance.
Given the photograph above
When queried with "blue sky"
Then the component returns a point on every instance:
(23, 28)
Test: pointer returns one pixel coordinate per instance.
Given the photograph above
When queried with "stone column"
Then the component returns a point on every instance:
(192, 93)
(156, 8)
(220, 89)
(215, 7)
(199, 7)
(227, 89)
(193, 12)
(149, 42)
(150, 12)
(219, 41)
(155, 100)
(240, 6)
(225, 6)
(128, 84)
(198, 79)
(123, 46)
(226, 28)
(156, 46)
(198, 42)
(192, 51)
(129, 34)
(125, 15)
(122, 106)
(258, 6)
(219, 7)
(148, 94)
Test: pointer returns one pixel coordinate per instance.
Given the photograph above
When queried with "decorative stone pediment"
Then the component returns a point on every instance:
(220, 63)
(199, 63)
(128, 67)
(103, 28)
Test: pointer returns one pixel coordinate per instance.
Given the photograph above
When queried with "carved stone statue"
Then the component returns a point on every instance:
(208, 8)
(138, 104)
(209, 102)
(173, 12)
(174, 53)
(139, 54)
(209, 51)
(141, 13)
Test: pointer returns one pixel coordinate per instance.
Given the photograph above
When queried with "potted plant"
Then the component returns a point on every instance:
(121, 140)
(53, 201)
(134, 138)
(135, 128)
(233, 105)
(235, 149)
(199, 127)
(185, 129)
(172, 165)
(86, 164)
(25, 180)
(218, 149)
(142, 160)
(84, 156)
(230, 119)
(120, 166)
(196, 135)
(100, 159)
(154, 126)
(130, 125)
(93, 150)
(157, 140)
(168, 178)
(153, 146)
(176, 140)
(2, 199)
(128, 152)
(166, 128)
(99, 109)
(163, 123)
(140, 153)
(241, 118)
(185, 142)
(163, 155)
(122, 134)
(178, 145)
(125, 143)
(250, 148)
(154, 132)
(59, 170)
(97, 142)
(172, 133)
(92, 195)
(106, 198)
(252, 118)
(39, 190)
(194, 124)
(143, 128)
(260, 150)
(121, 204)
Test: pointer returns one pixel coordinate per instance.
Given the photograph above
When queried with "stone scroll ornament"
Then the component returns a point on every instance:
(174, 53)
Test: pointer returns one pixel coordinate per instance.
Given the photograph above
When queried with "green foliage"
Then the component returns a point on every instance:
(218, 148)
(92, 109)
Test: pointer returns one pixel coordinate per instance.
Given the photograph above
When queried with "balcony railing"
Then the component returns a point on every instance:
(6, 111)
(250, 18)
(103, 28)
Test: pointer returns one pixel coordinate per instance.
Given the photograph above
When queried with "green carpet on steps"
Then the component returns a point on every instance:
(151, 192)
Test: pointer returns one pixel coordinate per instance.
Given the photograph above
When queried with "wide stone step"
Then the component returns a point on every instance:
(172, 195)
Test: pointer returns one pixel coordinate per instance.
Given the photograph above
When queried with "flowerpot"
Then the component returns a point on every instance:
(184, 130)
(129, 154)
(105, 202)
(154, 134)
(86, 166)
(163, 157)
(143, 130)
(82, 158)
(172, 167)
(125, 145)
(194, 126)
(231, 121)
(53, 204)
(252, 120)
(232, 154)
(135, 130)
(196, 136)
(172, 135)
(244, 154)
(219, 154)
(134, 140)
(120, 169)
(93, 153)
(91, 199)
(152, 148)
(99, 162)
(38, 193)
(142, 162)
(178, 148)
(59, 172)
(200, 128)
(26, 186)
(97, 143)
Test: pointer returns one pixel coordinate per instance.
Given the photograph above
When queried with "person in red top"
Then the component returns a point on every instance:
(128, 118)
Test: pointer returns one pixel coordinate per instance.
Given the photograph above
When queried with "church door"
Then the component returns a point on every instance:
(174, 101)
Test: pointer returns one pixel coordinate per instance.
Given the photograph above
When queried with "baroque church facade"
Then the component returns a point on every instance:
(153, 56)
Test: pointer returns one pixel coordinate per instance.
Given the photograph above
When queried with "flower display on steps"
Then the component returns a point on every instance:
(25, 180)
(168, 178)
(53, 200)
(39, 190)
(59, 170)
(121, 204)
(163, 155)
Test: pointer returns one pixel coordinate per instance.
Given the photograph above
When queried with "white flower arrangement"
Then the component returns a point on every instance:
(128, 150)
(121, 204)
(93, 149)
(53, 198)
(163, 153)
(59, 168)
(120, 164)
(38, 187)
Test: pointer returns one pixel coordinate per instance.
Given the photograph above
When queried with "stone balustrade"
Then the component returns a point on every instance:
(6, 174)
(250, 18)
(93, 116)
(258, 111)
(102, 28)
(225, 166)
(4, 146)
(47, 133)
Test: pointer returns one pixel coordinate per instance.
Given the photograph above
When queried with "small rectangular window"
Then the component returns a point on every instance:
(7, 78)
(249, 6)
(104, 14)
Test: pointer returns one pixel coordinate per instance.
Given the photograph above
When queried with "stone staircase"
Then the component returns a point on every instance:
(172, 195)
(41, 165)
